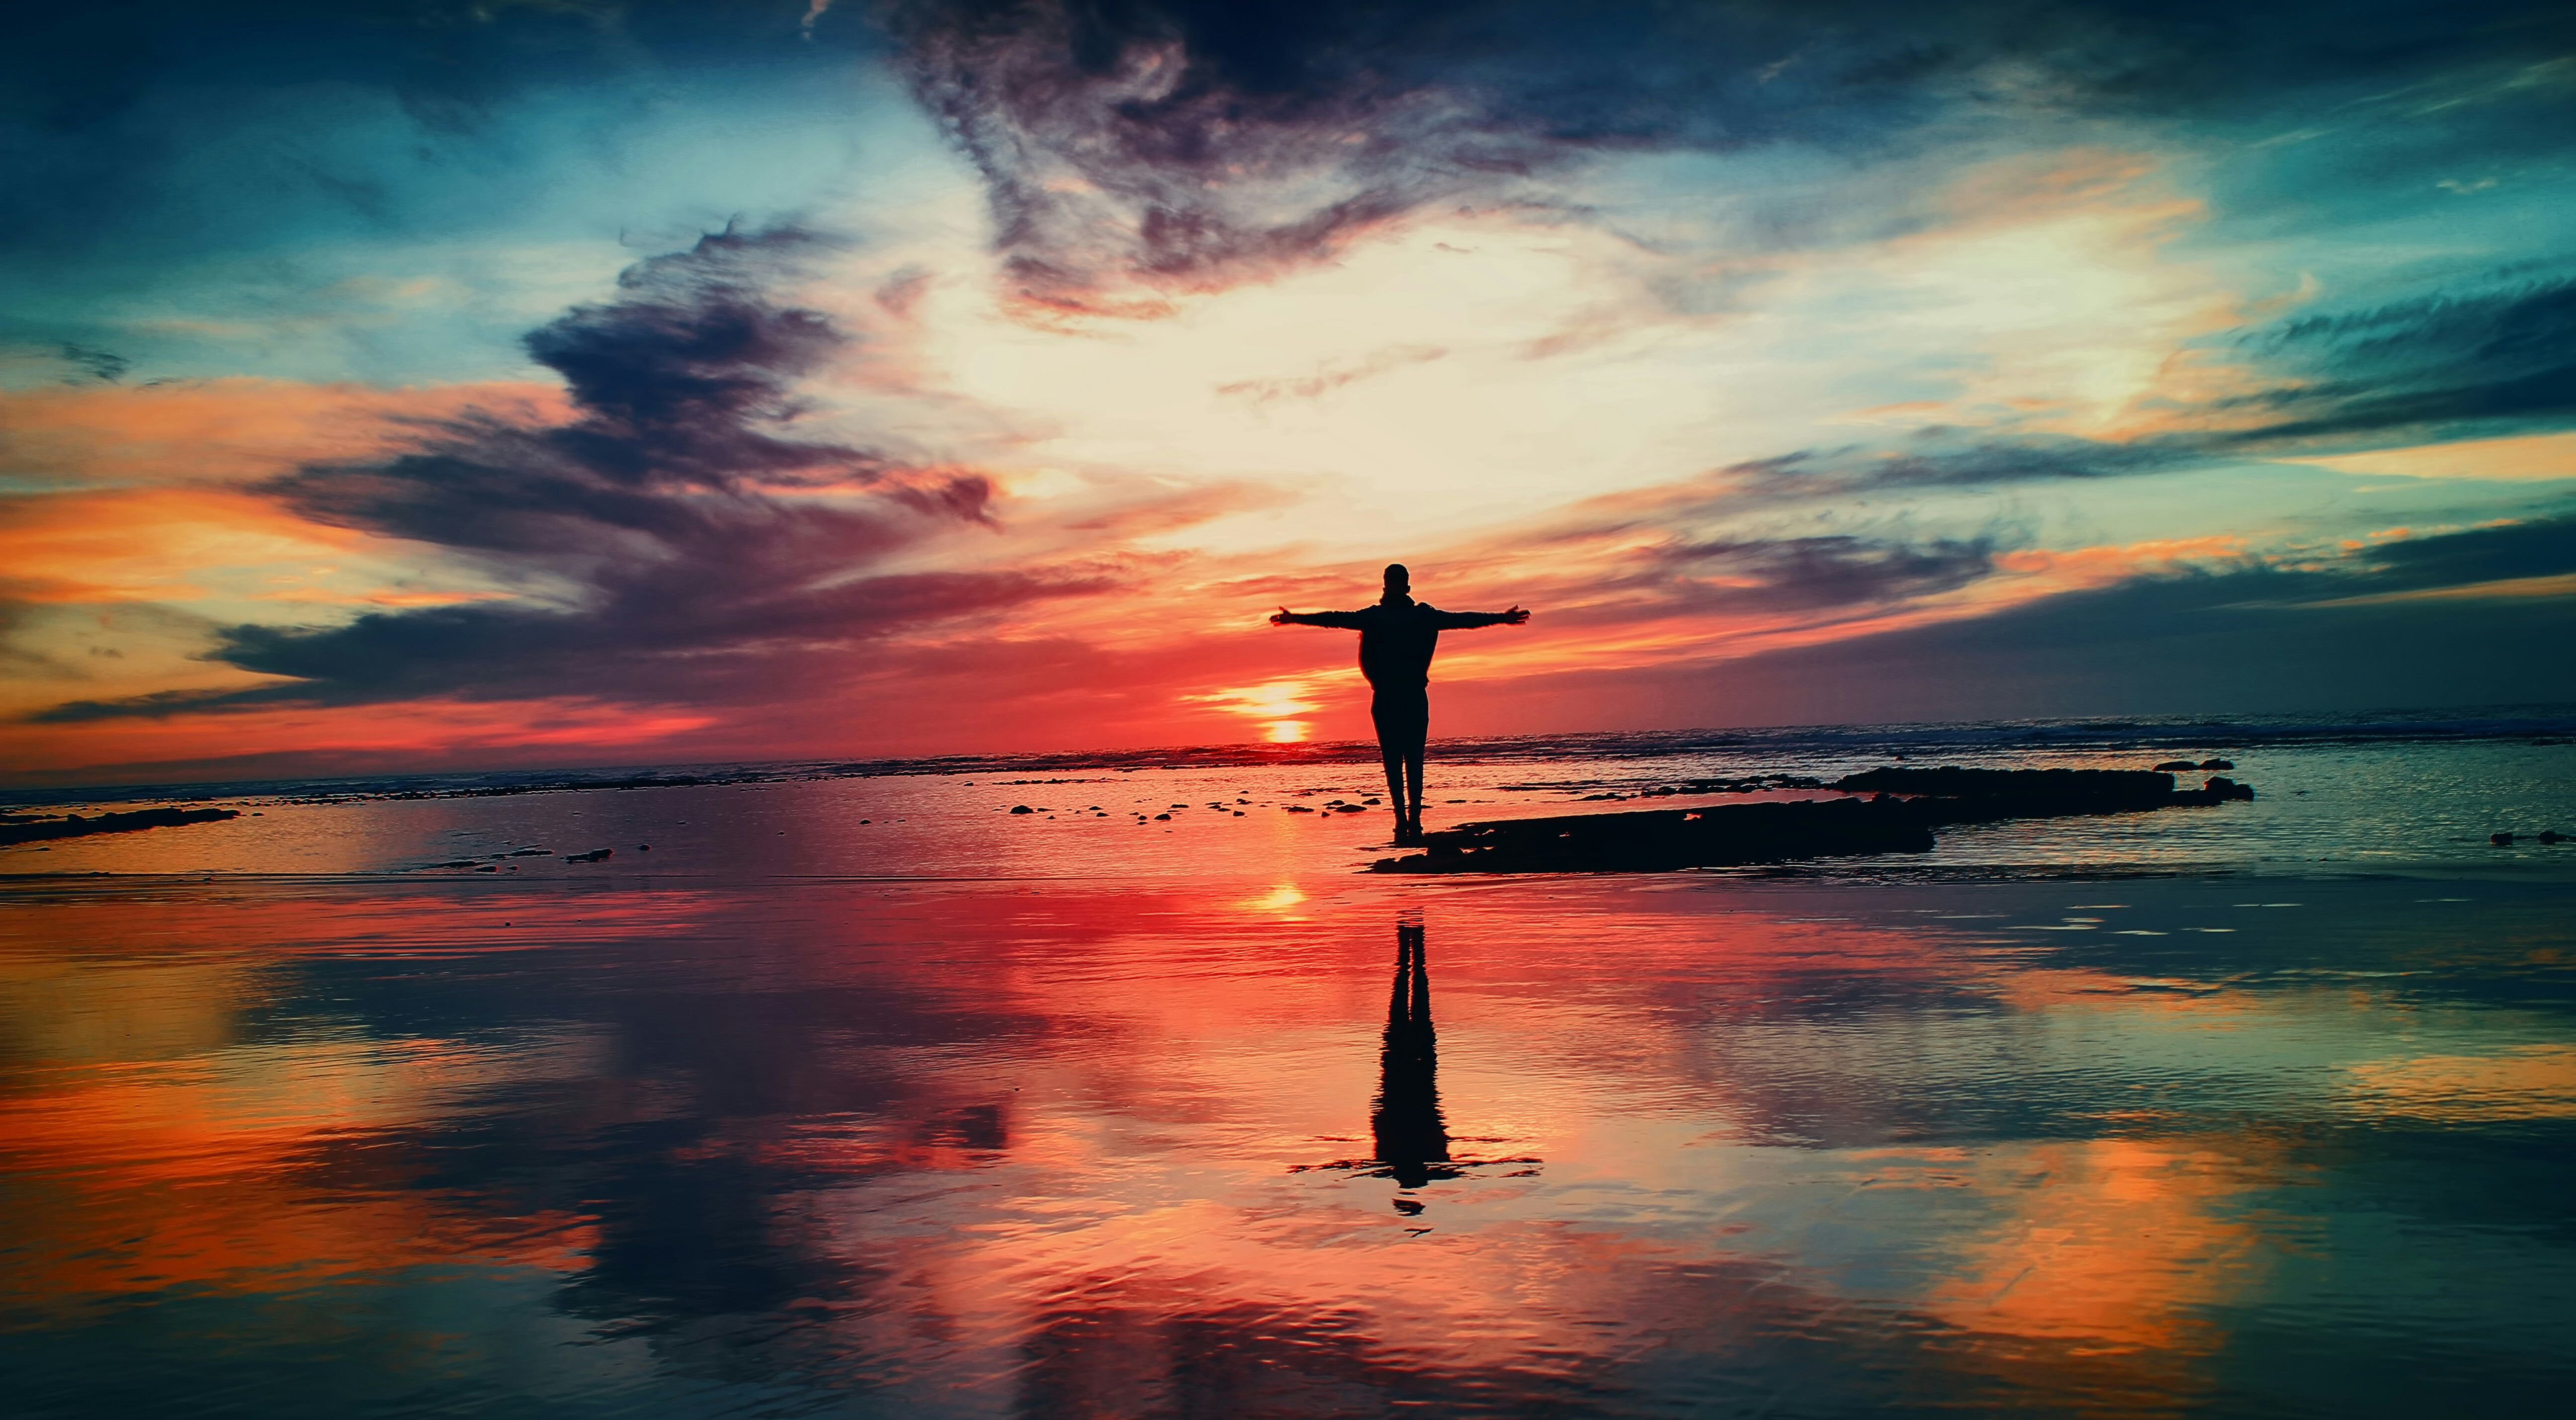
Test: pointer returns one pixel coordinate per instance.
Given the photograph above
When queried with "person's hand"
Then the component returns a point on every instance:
(1515, 616)
(1280, 618)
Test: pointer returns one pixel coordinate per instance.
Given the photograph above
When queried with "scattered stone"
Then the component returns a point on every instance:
(2178, 766)
(1163, 816)
(457, 863)
(596, 855)
(647, 847)
(1299, 809)
(1022, 809)
(2551, 835)
(2218, 764)
(2501, 840)
(487, 868)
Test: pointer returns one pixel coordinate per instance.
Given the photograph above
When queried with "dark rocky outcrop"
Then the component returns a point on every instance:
(1978, 795)
(1659, 840)
(1904, 807)
(75, 826)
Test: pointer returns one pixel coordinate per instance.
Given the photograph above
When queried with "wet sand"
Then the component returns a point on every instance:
(1049, 1146)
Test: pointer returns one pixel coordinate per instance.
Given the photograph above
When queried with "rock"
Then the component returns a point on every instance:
(1165, 817)
(1660, 840)
(75, 826)
(1299, 809)
(596, 855)
(457, 863)
(2551, 835)
(2501, 840)
(1022, 809)
(2218, 764)
(1978, 795)
(647, 847)
(2178, 766)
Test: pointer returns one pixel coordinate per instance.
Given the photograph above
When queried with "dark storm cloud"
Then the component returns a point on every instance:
(1186, 143)
(669, 507)
(2464, 361)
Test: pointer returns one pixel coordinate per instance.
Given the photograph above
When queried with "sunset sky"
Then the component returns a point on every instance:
(408, 383)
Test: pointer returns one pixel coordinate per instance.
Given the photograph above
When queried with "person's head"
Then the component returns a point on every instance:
(1398, 581)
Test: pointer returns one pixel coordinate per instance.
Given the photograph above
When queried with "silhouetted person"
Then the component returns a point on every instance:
(1398, 638)
(1411, 1136)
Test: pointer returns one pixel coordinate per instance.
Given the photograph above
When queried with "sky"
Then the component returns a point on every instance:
(409, 384)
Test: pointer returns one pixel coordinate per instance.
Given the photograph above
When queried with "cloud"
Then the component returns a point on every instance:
(1794, 575)
(2542, 547)
(1333, 376)
(2230, 635)
(673, 541)
(2478, 361)
(1944, 458)
(1137, 150)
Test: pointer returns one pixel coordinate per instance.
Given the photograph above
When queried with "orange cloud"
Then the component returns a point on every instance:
(150, 544)
(234, 429)
(418, 729)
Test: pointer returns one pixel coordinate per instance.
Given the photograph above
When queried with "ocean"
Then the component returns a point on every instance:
(841, 1088)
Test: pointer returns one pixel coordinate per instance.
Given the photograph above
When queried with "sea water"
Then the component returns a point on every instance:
(858, 1093)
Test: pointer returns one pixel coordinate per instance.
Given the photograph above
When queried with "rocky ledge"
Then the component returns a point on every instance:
(1899, 815)
(75, 826)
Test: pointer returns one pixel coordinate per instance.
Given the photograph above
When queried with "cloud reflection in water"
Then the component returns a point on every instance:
(922, 1148)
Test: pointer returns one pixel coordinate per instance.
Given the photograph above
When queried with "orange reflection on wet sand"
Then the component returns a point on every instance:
(1103, 1151)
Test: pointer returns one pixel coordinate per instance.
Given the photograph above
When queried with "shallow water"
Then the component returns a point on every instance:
(2262, 1109)
(1712, 1146)
(2339, 806)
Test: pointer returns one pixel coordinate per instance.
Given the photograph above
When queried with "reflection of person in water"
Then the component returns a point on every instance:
(1412, 1139)
(1398, 637)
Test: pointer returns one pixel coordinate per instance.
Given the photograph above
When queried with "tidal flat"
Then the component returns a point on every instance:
(1190, 1116)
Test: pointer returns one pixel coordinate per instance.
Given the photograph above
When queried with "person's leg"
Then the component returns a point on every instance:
(1413, 781)
(1387, 711)
(1416, 730)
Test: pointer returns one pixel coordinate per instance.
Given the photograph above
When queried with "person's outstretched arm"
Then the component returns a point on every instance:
(1346, 620)
(1464, 620)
